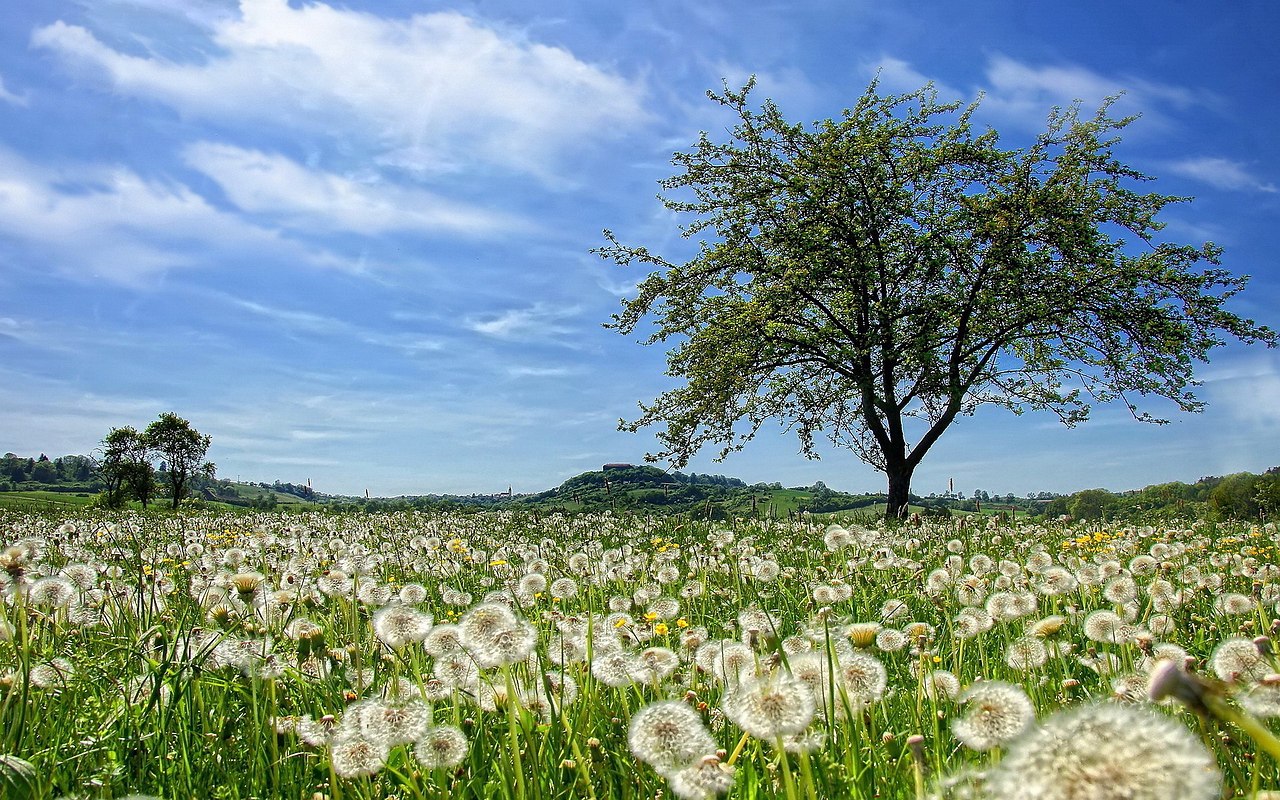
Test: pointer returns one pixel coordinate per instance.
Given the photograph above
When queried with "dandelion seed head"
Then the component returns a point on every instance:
(891, 640)
(1026, 653)
(52, 674)
(616, 669)
(52, 592)
(484, 620)
(398, 625)
(669, 736)
(1238, 659)
(942, 685)
(564, 588)
(355, 756)
(1233, 604)
(506, 646)
(412, 594)
(456, 670)
(771, 706)
(1056, 581)
(441, 747)
(1107, 627)
(1106, 752)
(443, 639)
(863, 678)
(390, 723)
(701, 780)
(995, 712)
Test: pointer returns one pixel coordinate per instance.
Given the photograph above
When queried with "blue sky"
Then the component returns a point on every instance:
(351, 241)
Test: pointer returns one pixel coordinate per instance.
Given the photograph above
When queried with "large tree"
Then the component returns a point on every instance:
(182, 448)
(871, 279)
(125, 467)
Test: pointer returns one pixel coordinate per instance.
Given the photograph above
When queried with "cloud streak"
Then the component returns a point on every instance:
(305, 199)
(1221, 173)
(110, 223)
(1022, 93)
(9, 97)
(537, 322)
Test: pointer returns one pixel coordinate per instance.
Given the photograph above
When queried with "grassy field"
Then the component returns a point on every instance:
(40, 500)
(412, 655)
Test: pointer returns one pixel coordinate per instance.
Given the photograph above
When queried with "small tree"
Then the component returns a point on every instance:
(125, 467)
(182, 448)
(874, 278)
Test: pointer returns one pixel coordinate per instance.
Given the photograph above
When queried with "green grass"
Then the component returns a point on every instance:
(36, 500)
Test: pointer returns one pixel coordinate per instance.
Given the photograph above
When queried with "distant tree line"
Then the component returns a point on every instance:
(1241, 496)
(69, 473)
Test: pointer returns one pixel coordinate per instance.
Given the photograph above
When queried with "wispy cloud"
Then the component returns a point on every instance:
(53, 416)
(1024, 92)
(110, 223)
(1221, 173)
(433, 92)
(537, 322)
(525, 371)
(310, 323)
(309, 199)
(897, 75)
(1244, 388)
(9, 97)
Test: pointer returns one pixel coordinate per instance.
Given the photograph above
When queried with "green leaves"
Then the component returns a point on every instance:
(17, 777)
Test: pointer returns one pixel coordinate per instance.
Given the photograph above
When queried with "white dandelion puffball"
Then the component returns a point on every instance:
(669, 736)
(995, 712)
(1106, 752)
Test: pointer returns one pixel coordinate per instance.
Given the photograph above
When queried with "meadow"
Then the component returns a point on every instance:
(505, 655)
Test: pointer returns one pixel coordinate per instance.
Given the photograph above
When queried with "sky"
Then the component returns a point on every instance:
(352, 241)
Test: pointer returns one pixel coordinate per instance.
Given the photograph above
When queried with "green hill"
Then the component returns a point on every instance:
(626, 487)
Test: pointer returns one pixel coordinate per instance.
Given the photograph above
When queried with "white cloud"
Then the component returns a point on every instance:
(260, 182)
(321, 326)
(1245, 389)
(1221, 173)
(9, 97)
(112, 224)
(54, 416)
(1026, 93)
(537, 322)
(900, 77)
(523, 371)
(431, 93)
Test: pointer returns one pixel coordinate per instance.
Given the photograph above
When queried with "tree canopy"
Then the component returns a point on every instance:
(182, 449)
(126, 456)
(870, 279)
(125, 466)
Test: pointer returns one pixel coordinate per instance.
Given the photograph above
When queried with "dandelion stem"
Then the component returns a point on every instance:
(737, 751)
(1246, 722)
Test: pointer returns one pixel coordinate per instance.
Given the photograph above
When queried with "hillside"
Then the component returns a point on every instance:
(629, 488)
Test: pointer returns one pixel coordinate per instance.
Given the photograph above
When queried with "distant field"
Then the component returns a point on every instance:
(39, 499)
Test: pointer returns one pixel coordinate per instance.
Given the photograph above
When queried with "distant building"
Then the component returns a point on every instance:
(607, 467)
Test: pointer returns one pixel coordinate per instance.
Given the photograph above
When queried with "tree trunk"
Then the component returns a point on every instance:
(899, 491)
